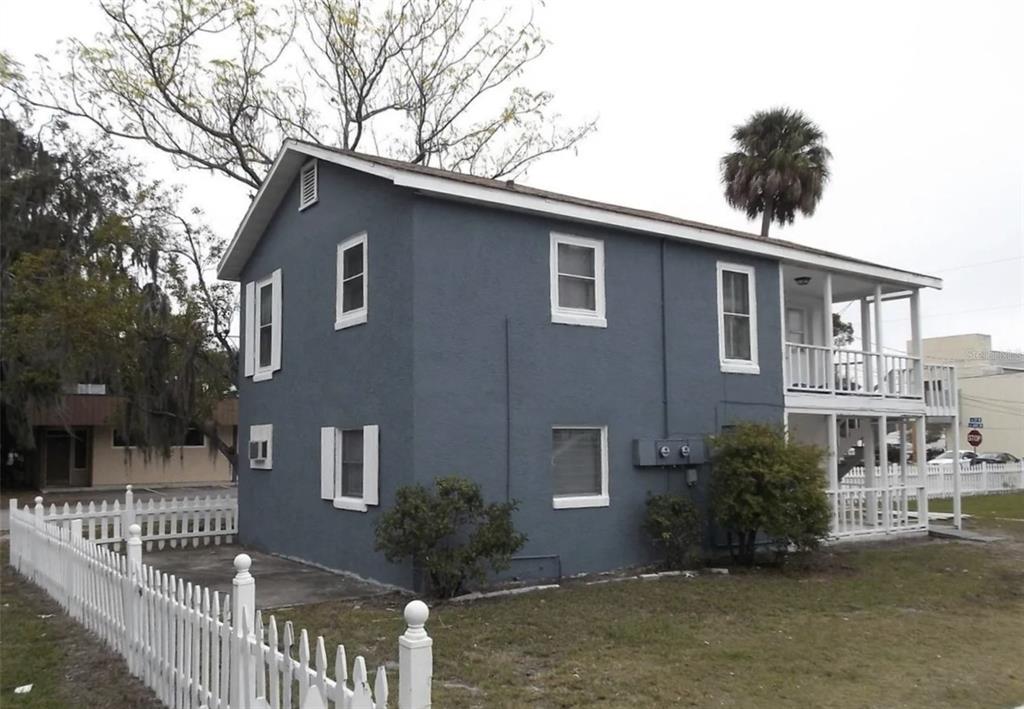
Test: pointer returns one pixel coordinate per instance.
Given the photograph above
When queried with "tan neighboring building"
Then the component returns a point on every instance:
(76, 446)
(991, 385)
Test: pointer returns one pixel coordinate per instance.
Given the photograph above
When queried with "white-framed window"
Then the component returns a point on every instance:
(577, 281)
(308, 185)
(351, 305)
(737, 319)
(349, 465)
(261, 446)
(263, 327)
(579, 466)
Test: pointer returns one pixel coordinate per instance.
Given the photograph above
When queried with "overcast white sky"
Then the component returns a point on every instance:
(922, 103)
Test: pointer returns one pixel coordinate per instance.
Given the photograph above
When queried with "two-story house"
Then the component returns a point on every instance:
(402, 323)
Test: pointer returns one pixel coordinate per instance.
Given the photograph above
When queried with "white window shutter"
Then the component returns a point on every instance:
(250, 329)
(371, 463)
(327, 458)
(275, 345)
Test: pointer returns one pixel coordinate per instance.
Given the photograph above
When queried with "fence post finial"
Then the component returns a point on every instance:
(39, 510)
(133, 548)
(243, 596)
(415, 659)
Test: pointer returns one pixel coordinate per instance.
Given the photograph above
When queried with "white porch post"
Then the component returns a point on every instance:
(957, 520)
(883, 384)
(830, 369)
(870, 498)
(918, 345)
(833, 469)
(922, 470)
(883, 462)
(865, 344)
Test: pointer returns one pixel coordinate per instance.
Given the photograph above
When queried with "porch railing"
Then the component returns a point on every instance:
(861, 511)
(940, 389)
(813, 368)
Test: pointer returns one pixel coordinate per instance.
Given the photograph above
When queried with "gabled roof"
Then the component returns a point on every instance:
(512, 196)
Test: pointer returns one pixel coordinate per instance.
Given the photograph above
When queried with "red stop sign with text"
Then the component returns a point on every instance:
(974, 438)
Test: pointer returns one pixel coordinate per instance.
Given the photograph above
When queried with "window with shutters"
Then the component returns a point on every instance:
(263, 327)
(349, 464)
(351, 306)
(577, 281)
(308, 185)
(579, 466)
(737, 319)
(261, 446)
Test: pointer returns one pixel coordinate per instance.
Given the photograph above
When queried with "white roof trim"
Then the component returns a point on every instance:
(295, 154)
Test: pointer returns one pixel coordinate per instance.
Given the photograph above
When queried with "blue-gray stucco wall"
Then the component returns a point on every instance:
(475, 267)
(459, 352)
(347, 378)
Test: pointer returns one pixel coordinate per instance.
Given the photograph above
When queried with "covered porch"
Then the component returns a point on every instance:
(887, 496)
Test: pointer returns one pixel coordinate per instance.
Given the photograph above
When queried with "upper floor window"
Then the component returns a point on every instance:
(577, 281)
(737, 319)
(263, 327)
(308, 185)
(579, 463)
(351, 304)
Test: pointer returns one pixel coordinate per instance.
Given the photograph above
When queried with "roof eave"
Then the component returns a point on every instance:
(293, 153)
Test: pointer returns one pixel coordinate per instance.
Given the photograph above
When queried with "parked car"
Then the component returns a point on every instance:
(994, 459)
(947, 458)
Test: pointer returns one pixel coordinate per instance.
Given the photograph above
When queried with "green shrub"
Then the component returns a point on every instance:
(673, 525)
(762, 482)
(449, 533)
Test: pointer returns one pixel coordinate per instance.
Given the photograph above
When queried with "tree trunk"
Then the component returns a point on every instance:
(222, 446)
(766, 217)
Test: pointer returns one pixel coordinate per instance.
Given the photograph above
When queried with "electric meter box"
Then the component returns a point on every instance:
(676, 451)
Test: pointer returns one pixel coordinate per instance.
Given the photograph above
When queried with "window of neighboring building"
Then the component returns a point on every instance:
(577, 281)
(308, 185)
(737, 319)
(261, 446)
(263, 327)
(194, 438)
(349, 465)
(579, 464)
(351, 306)
(119, 440)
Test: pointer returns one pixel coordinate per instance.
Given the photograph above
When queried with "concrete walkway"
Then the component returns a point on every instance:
(279, 582)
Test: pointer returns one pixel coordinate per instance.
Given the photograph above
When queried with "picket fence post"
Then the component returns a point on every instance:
(128, 513)
(243, 603)
(415, 659)
(15, 543)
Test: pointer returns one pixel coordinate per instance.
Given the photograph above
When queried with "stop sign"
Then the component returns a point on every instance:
(974, 438)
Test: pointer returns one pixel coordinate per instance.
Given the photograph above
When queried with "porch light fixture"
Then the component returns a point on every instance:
(802, 280)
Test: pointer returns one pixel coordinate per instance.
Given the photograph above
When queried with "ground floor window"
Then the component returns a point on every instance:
(579, 464)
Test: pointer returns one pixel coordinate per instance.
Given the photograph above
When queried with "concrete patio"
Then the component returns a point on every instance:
(279, 582)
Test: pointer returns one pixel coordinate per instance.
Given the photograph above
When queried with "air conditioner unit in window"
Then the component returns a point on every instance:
(257, 450)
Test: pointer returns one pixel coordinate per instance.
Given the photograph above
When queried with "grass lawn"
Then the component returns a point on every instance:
(67, 666)
(1004, 511)
(917, 623)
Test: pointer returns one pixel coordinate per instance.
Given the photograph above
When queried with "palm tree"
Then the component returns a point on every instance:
(781, 166)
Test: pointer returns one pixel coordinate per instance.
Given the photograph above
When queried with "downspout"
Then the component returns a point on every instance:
(664, 362)
(664, 349)
(508, 411)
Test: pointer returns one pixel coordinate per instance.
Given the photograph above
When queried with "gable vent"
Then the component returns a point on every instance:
(308, 185)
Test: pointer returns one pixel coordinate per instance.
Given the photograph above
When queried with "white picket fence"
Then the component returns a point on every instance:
(164, 522)
(974, 479)
(198, 649)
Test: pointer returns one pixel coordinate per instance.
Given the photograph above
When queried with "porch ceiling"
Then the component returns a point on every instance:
(845, 287)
